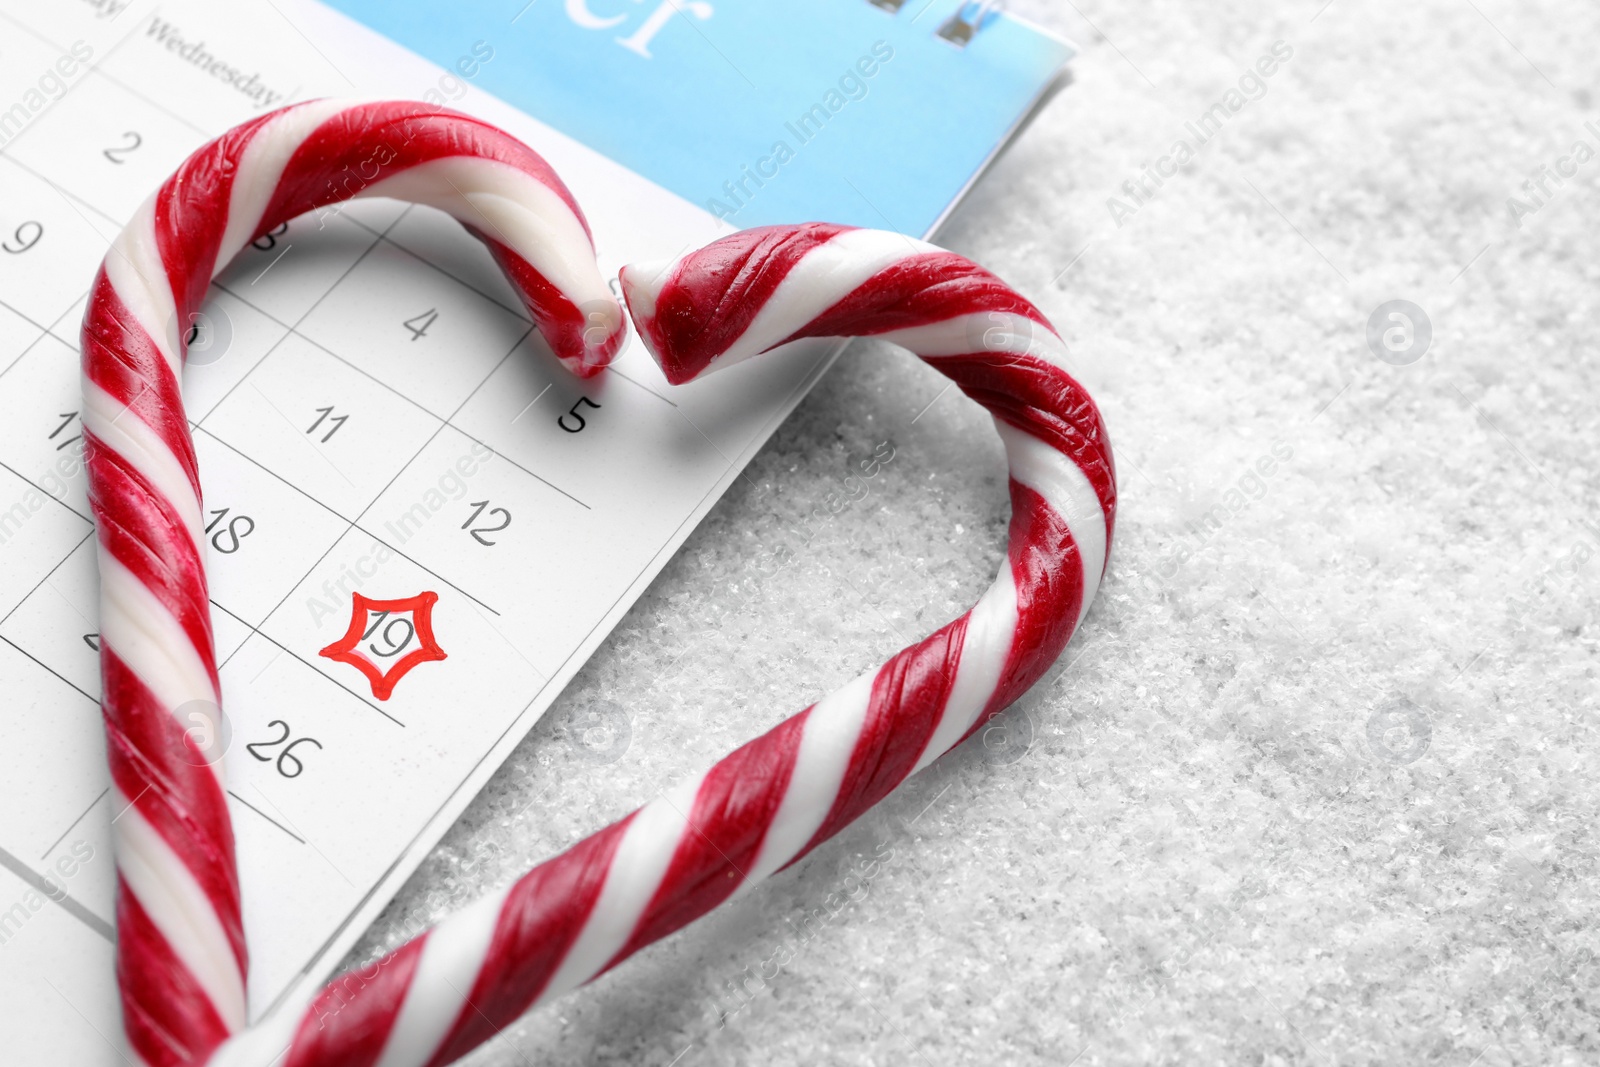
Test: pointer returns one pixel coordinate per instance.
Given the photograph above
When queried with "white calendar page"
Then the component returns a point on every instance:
(373, 414)
(419, 526)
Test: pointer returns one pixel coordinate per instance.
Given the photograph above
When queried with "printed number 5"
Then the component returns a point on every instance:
(573, 413)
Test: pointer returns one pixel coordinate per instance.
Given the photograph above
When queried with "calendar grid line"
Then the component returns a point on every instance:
(358, 528)
(513, 647)
(519, 312)
(36, 585)
(315, 450)
(267, 817)
(49, 496)
(255, 631)
(25, 317)
(86, 695)
(257, 463)
(635, 382)
(442, 424)
(70, 196)
(356, 522)
(57, 842)
(398, 532)
(501, 455)
(92, 68)
(20, 356)
(60, 897)
(305, 840)
(290, 328)
(514, 724)
(294, 332)
(122, 84)
(353, 525)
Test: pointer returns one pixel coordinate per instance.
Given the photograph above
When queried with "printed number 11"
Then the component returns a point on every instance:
(334, 422)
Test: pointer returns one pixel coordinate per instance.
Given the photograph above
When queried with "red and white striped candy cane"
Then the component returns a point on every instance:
(181, 957)
(772, 801)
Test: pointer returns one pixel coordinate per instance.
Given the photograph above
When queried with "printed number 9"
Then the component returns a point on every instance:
(26, 236)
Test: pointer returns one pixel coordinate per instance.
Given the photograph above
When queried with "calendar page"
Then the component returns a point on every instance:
(418, 525)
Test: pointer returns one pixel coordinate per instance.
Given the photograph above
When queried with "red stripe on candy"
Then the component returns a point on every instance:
(1044, 401)
(122, 359)
(143, 531)
(350, 1020)
(163, 772)
(920, 289)
(909, 695)
(541, 918)
(364, 144)
(1047, 568)
(733, 809)
(700, 313)
(191, 214)
(563, 324)
(169, 1020)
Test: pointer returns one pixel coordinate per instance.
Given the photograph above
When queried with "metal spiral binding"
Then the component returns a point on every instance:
(960, 28)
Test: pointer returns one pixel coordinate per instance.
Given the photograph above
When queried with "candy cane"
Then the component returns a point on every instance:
(769, 803)
(181, 957)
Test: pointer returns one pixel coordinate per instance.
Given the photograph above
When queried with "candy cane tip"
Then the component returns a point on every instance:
(641, 288)
(604, 332)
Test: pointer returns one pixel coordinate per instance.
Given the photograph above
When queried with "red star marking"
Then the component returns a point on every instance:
(378, 635)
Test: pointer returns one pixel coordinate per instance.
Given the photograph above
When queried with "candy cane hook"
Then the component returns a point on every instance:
(772, 801)
(181, 959)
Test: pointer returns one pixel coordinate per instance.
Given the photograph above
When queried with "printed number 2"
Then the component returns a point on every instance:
(288, 763)
(478, 531)
(573, 412)
(118, 153)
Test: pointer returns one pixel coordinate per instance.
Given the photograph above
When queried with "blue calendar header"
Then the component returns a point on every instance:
(760, 111)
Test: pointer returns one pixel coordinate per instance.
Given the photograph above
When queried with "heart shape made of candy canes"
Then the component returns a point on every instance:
(181, 958)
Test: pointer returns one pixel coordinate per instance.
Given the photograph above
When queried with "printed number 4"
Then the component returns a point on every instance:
(478, 531)
(334, 423)
(418, 324)
(286, 759)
